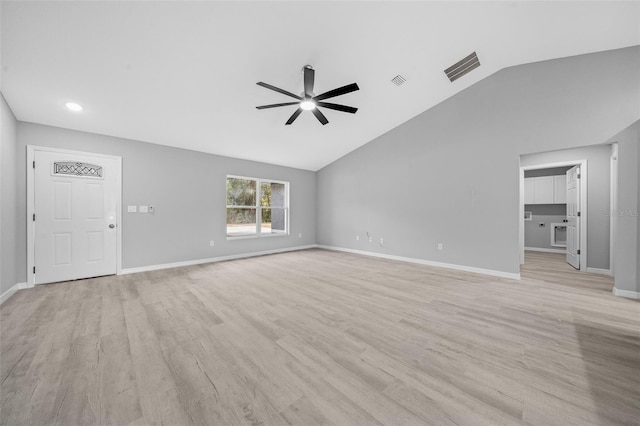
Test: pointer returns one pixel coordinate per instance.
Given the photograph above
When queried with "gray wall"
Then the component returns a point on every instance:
(188, 191)
(8, 199)
(540, 237)
(627, 247)
(598, 195)
(450, 174)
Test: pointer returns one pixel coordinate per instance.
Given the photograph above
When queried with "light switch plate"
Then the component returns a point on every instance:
(132, 209)
(144, 209)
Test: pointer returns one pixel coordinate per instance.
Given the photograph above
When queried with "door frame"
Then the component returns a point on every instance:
(31, 152)
(583, 205)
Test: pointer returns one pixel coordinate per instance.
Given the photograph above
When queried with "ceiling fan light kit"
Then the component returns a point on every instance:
(308, 102)
(307, 105)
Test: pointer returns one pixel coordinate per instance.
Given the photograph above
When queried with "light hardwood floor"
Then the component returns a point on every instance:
(320, 337)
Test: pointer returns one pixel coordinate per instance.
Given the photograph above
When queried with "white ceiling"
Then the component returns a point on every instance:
(183, 73)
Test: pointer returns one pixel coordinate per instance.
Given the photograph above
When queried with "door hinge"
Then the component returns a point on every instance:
(34, 217)
(34, 269)
(578, 214)
(578, 176)
(578, 251)
(34, 164)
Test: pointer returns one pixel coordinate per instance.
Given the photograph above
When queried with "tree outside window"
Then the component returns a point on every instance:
(256, 207)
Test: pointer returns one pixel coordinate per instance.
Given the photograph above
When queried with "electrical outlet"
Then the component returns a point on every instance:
(440, 246)
(357, 237)
(300, 235)
(212, 243)
(381, 241)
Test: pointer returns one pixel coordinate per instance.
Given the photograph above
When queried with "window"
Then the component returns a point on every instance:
(257, 207)
(77, 169)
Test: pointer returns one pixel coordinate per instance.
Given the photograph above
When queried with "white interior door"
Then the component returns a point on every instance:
(573, 217)
(75, 207)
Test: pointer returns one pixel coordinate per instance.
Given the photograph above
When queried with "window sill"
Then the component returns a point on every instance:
(250, 237)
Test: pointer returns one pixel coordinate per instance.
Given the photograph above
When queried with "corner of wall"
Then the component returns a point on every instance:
(627, 236)
(8, 197)
(637, 137)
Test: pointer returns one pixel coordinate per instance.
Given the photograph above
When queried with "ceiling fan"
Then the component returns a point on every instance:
(308, 102)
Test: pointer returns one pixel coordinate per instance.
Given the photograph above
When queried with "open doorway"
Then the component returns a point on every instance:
(568, 222)
(554, 210)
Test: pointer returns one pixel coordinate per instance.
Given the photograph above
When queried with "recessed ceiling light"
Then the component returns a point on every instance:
(307, 105)
(72, 106)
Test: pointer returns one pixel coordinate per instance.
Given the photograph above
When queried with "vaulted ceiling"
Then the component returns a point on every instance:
(183, 73)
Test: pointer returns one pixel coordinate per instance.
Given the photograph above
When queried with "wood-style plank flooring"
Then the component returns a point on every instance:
(320, 337)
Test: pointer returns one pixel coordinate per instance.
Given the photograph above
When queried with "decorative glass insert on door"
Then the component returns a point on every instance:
(72, 168)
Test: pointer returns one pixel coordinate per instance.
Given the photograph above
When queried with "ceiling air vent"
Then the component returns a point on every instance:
(398, 80)
(462, 67)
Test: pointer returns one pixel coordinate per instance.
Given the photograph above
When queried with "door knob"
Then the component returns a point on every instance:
(111, 225)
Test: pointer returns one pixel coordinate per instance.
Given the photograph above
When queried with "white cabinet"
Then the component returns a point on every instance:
(545, 190)
(560, 189)
(529, 191)
(543, 193)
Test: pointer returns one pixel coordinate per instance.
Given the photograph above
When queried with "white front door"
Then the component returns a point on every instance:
(75, 207)
(573, 217)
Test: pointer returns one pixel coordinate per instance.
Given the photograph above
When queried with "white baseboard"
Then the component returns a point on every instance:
(210, 260)
(546, 250)
(626, 293)
(7, 294)
(473, 269)
(599, 271)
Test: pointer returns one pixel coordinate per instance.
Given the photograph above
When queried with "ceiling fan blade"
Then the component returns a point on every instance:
(309, 77)
(320, 116)
(277, 89)
(337, 107)
(293, 116)
(337, 92)
(277, 105)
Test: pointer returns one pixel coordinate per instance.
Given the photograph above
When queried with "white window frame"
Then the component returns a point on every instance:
(258, 207)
